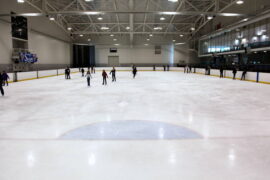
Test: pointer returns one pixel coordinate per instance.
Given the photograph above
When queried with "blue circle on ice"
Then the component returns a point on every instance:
(130, 130)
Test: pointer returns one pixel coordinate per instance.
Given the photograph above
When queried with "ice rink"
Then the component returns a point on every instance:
(159, 126)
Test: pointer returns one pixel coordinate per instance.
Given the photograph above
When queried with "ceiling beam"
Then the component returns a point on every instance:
(126, 23)
(127, 33)
(95, 13)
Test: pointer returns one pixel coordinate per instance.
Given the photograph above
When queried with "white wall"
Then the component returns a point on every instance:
(143, 55)
(49, 50)
(5, 43)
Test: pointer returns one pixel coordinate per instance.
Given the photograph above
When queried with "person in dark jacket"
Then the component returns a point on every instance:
(93, 69)
(164, 67)
(67, 73)
(82, 72)
(5, 78)
(134, 71)
(88, 77)
(105, 76)
(1, 85)
(221, 72)
(168, 67)
(154, 67)
(244, 73)
(113, 72)
(234, 72)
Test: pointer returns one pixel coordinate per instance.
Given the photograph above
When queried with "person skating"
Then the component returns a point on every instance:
(154, 67)
(5, 78)
(93, 70)
(164, 67)
(234, 72)
(1, 85)
(88, 77)
(105, 76)
(244, 73)
(221, 72)
(134, 71)
(82, 70)
(168, 67)
(186, 68)
(113, 72)
(68, 73)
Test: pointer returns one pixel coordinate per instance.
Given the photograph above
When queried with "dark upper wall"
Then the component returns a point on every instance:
(250, 6)
(40, 24)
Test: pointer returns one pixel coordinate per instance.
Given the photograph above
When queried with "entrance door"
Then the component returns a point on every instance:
(113, 61)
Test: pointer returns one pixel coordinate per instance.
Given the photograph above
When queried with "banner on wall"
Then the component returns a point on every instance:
(28, 57)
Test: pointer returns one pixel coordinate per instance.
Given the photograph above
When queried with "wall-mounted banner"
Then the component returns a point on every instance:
(28, 57)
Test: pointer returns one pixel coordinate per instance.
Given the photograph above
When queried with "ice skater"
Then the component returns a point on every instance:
(88, 77)
(82, 72)
(1, 85)
(154, 67)
(186, 68)
(244, 73)
(234, 72)
(93, 69)
(5, 78)
(105, 76)
(67, 73)
(168, 67)
(113, 72)
(134, 71)
(164, 67)
(221, 72)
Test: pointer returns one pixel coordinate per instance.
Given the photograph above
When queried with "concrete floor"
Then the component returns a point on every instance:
(202, 128)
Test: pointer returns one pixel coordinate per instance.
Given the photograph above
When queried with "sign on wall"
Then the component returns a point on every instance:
(157, 49)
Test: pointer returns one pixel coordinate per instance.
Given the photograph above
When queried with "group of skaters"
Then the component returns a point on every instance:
(235, 69)
(91, 70)
(165, 67)
(3, 82)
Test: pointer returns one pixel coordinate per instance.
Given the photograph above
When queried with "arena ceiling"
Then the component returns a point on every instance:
(131, 18)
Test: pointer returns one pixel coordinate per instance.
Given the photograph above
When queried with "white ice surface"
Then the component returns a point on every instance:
(233, 118)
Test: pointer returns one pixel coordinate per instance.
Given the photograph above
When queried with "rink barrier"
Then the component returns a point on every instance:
(256, 77)
(26, 76)
(250, 76)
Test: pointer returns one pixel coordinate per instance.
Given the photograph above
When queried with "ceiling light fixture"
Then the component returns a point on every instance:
(127, 28)
(239, 2)
(104, 28)
(20, 1)
(210, 17)
(100, 18)
(81, 35)
(69, 28)
(158, 28)
(192, 29)
(173, 1)
(112, 35)
(162, 18)
(181, 35)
